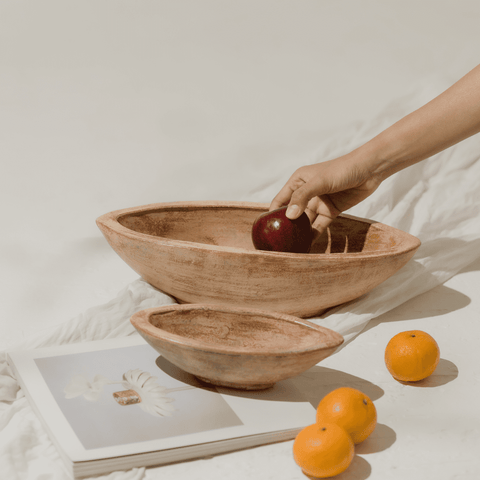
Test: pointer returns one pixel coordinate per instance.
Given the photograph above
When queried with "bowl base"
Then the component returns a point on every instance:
(307, 315)
(237, 386)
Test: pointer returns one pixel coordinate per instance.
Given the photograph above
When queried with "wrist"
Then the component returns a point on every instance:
(372, 159)
(382, 156)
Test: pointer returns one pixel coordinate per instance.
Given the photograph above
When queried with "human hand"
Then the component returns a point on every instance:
(326, 189)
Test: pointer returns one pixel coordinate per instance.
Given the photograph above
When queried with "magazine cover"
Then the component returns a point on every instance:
(116, 404)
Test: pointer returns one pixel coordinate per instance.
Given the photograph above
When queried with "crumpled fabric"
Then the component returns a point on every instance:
(437, 200)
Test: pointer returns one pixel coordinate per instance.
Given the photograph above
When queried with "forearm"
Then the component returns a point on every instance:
(448, 119)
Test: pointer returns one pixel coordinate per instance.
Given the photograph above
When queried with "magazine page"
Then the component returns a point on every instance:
(119, 397)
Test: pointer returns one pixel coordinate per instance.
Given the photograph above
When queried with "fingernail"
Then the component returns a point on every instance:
(292, 211)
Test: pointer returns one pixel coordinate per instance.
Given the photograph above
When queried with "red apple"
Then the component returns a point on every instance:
(273, 231)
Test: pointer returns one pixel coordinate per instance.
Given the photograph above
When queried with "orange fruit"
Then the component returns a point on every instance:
(323, 450)
(350, 409)
(412, 356)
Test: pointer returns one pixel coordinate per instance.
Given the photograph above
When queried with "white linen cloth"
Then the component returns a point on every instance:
(437, 200)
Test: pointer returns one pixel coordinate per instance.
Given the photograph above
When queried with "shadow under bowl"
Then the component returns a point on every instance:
(247, 349)
(202, 252)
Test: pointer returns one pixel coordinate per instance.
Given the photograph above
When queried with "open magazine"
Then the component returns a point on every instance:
(116, 404)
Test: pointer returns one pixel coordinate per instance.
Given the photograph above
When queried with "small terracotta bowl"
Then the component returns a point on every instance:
(248, 349)
(202, 252)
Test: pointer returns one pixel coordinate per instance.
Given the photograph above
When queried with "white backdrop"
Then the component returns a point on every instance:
(110, 104)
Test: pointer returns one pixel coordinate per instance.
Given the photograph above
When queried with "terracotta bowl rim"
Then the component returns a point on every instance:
(140, 320)
(111, 220)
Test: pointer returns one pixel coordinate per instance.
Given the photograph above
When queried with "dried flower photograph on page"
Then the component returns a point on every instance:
(129, 398)
(139, 388)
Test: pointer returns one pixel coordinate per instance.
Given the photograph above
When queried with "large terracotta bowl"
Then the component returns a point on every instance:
(202, 252)
(235, 347)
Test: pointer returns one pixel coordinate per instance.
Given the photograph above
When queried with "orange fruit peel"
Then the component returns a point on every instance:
(412, 356)
(323, 450)
(351, 409)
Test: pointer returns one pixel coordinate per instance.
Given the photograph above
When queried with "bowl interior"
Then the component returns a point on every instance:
(232, 227)
(237, 332)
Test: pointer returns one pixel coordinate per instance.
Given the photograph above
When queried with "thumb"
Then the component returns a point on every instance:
(299, 200)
